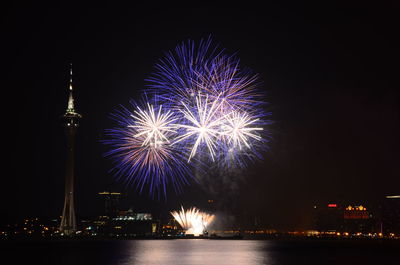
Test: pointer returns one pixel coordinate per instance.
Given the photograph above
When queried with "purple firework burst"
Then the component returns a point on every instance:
(142, 151)
(207, 111)
(193, 74)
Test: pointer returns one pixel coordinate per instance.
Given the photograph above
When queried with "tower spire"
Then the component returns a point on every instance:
(70, 107)
(70, 76)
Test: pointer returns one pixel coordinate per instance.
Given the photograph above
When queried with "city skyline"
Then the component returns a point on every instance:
(330, 85)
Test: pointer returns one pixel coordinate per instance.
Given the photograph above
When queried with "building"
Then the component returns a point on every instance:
(130, 224)
(357, 219)
(336, 219)
(390, 215)
(111, 202)
(328, 217)
(71, 122)
(126, 224)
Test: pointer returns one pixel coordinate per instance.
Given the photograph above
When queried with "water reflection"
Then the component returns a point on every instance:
(201, 251)
(195, 251)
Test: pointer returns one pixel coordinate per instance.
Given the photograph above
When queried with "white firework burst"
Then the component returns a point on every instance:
(154, 127)
(203, 124)
(238, 130)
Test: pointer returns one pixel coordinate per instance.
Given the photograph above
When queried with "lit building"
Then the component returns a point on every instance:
(335, 219)
(356, 212)
(390, 215)
(130, 224)
(357, 219)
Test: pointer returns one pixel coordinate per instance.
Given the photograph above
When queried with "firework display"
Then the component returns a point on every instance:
(177, 75)
(238, 130)
(202, 123)
(219, 105)
(193, 221)
(142, 151)
(206, 109)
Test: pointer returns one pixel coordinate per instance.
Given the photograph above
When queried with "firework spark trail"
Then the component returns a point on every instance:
(207, 125)
(193, 221)
(142, 151)
(154, 126)
(202, 125)
(224, 80)
(176, 74)
(238, 129)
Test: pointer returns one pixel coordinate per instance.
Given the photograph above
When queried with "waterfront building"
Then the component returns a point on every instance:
(130, 224)
(111, 202)
(390, 215)
(357, 219)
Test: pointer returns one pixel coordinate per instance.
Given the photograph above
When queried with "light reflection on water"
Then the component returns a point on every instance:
(195, 251)
(201, 251)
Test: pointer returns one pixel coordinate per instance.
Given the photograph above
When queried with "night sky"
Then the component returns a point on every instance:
(330, 74)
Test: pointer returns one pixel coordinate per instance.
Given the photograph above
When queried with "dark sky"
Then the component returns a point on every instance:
(330, 73)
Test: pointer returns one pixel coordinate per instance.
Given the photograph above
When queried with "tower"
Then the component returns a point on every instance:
(70, 123)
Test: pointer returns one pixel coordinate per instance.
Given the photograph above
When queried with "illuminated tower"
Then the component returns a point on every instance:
(71, 123)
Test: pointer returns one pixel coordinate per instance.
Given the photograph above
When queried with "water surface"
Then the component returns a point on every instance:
(201, 251)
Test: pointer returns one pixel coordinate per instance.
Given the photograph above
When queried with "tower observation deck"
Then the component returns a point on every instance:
(70, 122)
